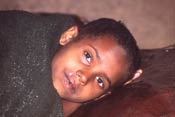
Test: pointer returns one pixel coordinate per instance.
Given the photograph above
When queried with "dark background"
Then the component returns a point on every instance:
(151, 21)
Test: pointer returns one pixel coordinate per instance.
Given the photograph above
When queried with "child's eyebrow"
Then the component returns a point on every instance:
(108, 80)
(96, 52)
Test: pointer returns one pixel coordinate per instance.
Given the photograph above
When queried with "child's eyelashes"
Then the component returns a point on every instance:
(88, 56)
(100, 82)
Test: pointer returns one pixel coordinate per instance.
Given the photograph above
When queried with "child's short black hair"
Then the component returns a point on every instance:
(118, 31)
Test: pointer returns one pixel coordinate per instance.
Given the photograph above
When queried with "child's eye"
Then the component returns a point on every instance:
(88, 56)
(100, 82)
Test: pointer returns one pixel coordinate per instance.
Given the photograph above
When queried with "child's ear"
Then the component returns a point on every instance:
(136, 75)
(68, 35)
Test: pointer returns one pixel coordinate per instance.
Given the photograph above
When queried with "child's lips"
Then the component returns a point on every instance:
(69, 83)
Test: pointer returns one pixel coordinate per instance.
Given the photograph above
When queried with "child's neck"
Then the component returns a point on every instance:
(69, 107)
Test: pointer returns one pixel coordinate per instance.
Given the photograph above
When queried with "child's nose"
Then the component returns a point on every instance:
(82, 77)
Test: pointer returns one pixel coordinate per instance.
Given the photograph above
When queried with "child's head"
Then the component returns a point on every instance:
(101, 55)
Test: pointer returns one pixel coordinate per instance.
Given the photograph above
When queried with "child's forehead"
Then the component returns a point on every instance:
(103, 41)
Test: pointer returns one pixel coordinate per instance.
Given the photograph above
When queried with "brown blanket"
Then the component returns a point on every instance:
(153, 95)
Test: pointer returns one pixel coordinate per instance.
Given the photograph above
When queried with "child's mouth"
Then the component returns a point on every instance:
(69, 84)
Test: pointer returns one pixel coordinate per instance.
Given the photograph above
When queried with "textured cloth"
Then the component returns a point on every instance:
(27, 45)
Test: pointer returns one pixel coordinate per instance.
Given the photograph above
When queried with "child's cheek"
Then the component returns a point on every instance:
(73, 62)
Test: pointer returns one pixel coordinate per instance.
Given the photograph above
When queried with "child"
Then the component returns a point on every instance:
(99, 56)
(93, 59)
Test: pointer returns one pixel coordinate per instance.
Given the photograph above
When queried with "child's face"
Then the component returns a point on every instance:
(85, 69)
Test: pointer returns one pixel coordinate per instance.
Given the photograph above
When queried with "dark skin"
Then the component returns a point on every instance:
(85, 70)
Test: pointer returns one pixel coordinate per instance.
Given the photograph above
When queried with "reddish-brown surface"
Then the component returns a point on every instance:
(153, 95)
